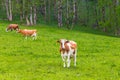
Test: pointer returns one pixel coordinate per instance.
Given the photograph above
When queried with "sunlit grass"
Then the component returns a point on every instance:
(98, 55)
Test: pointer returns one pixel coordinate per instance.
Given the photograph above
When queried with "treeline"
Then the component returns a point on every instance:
(98, 14)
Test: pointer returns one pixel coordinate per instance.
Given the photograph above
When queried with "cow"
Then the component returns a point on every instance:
(26, 32)
(12, 27)
(68, 49)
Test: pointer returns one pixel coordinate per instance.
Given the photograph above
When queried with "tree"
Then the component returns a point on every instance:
(8, 5)
(96, 24)
(35, 14)
(60, 13)
(55, 10)
(74, 20)
(45, 11)
(67, 14)
(87, 8)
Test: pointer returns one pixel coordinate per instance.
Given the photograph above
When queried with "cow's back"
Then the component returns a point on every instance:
(73, 44)
(13, 25)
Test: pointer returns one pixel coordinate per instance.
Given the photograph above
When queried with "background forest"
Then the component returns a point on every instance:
(98, 14)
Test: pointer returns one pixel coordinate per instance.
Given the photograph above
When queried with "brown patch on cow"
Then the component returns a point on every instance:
(62, 51)
(26, 32)
(12, 27)
(67, 47)
(73, 45)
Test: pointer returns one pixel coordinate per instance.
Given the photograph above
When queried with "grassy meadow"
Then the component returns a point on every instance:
(98, 56)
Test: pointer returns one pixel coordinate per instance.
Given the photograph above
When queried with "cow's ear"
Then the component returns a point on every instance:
(67, 41)
(58, 41)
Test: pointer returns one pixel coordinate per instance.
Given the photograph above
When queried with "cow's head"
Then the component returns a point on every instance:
(62, 43)
(6, 29)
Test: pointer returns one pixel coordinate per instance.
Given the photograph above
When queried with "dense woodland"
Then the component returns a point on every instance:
(103, 15)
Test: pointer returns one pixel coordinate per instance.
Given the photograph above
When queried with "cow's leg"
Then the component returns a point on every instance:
(11, 29)
(74, 55)
(25, 37)
(34, 36)
(6, 29)
(63, 58)
(68, 60)
(74, 59)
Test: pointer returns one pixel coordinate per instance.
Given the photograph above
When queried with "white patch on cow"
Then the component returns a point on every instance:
(63, 42)
(64, 57)
(34, 35)
(73, 42)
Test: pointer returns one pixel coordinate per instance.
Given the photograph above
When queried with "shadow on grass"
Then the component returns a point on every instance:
(93, 31)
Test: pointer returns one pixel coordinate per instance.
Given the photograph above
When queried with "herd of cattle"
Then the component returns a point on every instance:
(25, 32)
(68, 48)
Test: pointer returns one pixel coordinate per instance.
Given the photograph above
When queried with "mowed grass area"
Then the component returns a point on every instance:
(98, 55)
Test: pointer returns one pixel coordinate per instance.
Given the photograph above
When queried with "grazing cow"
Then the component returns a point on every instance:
(68, 49)
(26, 32)
(12, 27)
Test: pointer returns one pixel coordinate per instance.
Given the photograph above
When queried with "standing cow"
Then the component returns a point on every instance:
(12, 27)
(68, 49)
(26, 32)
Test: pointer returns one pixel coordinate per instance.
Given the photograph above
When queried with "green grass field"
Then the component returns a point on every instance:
(98, 56)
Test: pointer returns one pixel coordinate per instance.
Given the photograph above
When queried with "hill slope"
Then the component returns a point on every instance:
(20, 59)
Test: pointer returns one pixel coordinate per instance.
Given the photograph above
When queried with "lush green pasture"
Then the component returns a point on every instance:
(98, 55)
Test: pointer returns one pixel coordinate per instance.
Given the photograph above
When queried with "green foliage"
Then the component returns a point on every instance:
(100, 14)
(20, 59)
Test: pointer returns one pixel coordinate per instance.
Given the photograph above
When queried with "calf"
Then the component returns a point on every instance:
(26, 32)
(12, 27)
(68, 49)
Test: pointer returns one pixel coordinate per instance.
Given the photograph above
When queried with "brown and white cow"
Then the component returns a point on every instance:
(68, 49)
(12, 27)
(26, 32)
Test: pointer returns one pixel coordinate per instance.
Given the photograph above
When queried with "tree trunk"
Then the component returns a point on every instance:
(60, 13)
(27, 20)
(74, 13)
(8, 5)
(31, 16)
(96, 25)
(10, 9)
(35, 15)
(7, 9)
(21, 10)
(87, 7)
(67, 14)
(21, 16)
(103, 17)
(115, 4)
(45, 15)
(55, 10)
(48, 10)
